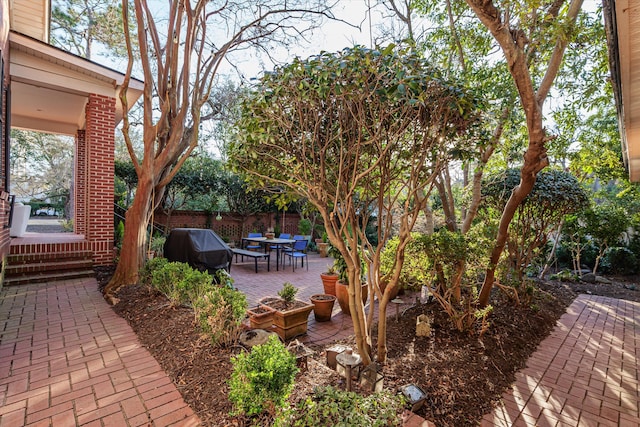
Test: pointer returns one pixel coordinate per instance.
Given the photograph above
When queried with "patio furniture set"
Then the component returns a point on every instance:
(259, 247)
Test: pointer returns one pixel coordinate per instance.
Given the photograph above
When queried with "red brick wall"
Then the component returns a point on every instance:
(100, 144)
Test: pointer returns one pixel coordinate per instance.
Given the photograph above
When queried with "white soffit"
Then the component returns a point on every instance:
(50, 88)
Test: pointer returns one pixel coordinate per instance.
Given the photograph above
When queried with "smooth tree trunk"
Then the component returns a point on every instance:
(133, 242)
(514, 45)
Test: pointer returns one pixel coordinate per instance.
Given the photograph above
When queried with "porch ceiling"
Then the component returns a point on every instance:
(50, 87)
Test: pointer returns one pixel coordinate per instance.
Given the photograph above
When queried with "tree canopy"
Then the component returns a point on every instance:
(351, 131)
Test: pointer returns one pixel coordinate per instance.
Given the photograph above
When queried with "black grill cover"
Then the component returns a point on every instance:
(201, 249)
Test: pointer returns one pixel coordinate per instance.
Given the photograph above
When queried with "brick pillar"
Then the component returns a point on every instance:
(100, 144)
(80, 185)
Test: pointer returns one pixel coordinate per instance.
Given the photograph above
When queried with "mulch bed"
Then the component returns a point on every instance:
(463, 374)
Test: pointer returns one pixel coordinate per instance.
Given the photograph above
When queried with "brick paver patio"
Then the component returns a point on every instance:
(67, 359)
(584, 374)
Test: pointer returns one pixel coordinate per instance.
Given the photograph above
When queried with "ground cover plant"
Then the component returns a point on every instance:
(451, 366)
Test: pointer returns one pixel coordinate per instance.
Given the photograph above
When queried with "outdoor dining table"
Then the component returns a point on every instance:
(278, 243)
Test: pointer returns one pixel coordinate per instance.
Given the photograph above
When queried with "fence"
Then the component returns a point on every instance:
(229, 226)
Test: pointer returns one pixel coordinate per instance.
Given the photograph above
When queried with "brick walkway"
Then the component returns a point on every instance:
(584, 374)
(67, 359)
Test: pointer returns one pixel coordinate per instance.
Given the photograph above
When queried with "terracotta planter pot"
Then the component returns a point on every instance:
(342, 293)
(323, 249)
(292, 322)
(261, 317)
(329, 283)
(323, 306)
(269, 235)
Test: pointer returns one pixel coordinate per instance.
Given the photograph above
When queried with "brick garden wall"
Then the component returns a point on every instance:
(230, 227)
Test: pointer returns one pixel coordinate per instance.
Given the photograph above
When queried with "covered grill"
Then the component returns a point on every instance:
(201, 249)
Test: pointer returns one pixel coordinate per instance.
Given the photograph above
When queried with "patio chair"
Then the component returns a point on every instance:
(298, 251)
(253, 245)
(289, 248)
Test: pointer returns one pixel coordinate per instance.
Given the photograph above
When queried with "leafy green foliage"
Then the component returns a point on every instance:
(606, 223)
(219, 311)
(288, 292)
(197, 185)
(354, 132)
(79, 25)
(332, 407)
(262, 379)
(619, 260)
(304, 227)
(436, 260)
(146, 272)
(555, 194)
(180, 283)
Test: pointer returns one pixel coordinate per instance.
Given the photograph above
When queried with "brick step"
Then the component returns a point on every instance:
(47, 277)
(19, 259)
(52, 266)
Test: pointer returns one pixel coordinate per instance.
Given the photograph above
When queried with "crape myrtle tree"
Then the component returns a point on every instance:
(533, 36)
(180, 54)
(529, 33)
(355, 131)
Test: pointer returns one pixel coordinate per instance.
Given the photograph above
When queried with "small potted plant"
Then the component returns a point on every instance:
(322, 306)
(323, 245)
(270, 234)
(291, 314)
(329, 279)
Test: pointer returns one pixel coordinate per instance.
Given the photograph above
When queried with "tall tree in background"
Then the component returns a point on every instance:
(78, 25)
(527, 31)
(41, 164)
(180, 61)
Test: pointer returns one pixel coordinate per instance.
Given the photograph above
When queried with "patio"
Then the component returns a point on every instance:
(267, 283)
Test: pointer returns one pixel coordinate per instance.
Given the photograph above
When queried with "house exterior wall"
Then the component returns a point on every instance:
(30, 17)
(99, 173)
(4, 136)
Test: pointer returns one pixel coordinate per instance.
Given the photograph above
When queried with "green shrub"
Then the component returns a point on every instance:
(262, 379)
(332, 407)
(118, 234)
(180, 283)
(564, 276)
(619, 260)
(157, 244)
(150, 266)
(219, 312)
(304, 227)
